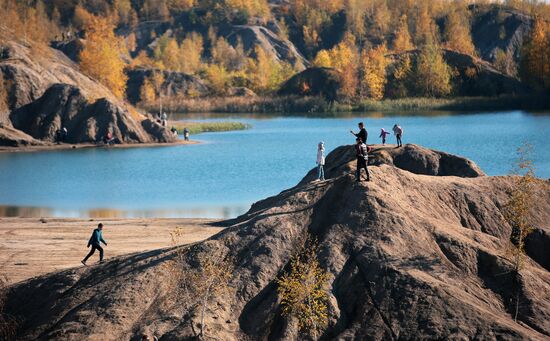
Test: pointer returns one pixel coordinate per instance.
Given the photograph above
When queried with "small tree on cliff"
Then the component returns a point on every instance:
(197, 277)
(101, 56)
(303, 290)
(535, 56)
(518, 213)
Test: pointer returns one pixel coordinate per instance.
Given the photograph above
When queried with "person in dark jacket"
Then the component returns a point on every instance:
(94, 242)
(362, 154)
(362, 134)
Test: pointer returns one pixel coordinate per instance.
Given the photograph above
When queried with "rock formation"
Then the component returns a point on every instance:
(64, 105)
(45, 91)
(315, 81)
(410, 256)
(175, 85)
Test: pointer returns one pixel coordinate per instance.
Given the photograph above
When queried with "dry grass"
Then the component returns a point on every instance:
(205, 127)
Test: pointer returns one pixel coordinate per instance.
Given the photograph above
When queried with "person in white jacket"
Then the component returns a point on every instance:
(321, 161)
(398, 132)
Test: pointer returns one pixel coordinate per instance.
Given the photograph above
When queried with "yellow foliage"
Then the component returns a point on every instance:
(303, 291)
(265, 73)
(425, 32)
(190, 53)
(457, 32)
(535, 58)
(254, 8)
(373, 67)
(402, 41)
(432, 74)
(100, 57)
(323, 59)
(218, 77)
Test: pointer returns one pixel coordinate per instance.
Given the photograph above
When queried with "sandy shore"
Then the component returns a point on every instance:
(64, 146)
(31, 246)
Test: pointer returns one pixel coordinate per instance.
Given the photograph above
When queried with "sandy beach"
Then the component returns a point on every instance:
(30, 247)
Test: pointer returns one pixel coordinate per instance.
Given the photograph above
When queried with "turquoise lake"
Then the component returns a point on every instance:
(226, 172)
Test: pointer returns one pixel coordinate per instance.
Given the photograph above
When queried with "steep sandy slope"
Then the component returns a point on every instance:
(409, 256)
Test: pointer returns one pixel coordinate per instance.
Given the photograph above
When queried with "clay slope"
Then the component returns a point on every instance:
(410, 256)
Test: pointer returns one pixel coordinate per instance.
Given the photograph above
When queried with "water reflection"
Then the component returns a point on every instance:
(221, 212)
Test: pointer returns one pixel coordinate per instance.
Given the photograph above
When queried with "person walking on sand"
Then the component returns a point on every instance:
(398, 131)
(362, 134)
(321, 161)
(362, 154)
(94, 242)
(383, 134)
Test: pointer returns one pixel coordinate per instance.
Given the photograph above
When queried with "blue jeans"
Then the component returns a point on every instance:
(321, 172)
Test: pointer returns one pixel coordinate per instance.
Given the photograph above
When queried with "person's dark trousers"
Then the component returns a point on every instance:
(92, 251)
(399, 143)
(361, 164)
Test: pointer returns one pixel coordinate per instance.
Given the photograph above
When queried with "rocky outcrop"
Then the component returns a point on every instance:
(315, 81)
(276, 47)
(64, 105)
(496, 27)
(175, 85)
(15, 138)
(409, 256)
(71, 48)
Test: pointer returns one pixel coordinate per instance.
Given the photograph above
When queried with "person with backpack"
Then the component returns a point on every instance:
(383, 134)
(321, 161)
(362, 134)
(94, 242)
(398, 131)
(186, 134)
(362, 154)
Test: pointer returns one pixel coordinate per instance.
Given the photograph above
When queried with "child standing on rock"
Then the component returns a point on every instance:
(94, 242)
(383, 134)
(321, 161)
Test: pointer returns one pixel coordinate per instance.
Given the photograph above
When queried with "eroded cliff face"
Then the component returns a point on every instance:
(410, 256)
(44, 91)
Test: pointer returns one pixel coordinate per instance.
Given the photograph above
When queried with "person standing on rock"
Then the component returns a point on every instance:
(383, 134)
(362, 154)
(94, 242)
(398, 131)
(321, 161)
(362, 134)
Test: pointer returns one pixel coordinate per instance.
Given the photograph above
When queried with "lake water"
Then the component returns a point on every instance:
(228, 171)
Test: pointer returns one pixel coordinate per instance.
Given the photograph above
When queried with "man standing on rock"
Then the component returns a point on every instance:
(362, 134)
(398, 131)
(362, 154)
(95, 240)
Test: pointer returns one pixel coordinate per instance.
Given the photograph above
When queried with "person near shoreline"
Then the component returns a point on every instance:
(362, 154)
(58, 136)
(398, 131)
(164, 119)
(186, 134)
(174, 131)
(321, 161)
(95, 242)
(362, 134)
(383, 134)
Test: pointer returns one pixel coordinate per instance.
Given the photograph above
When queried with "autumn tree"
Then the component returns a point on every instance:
(425, 32)
(402, 41)
(267, 74)
(402, 74)
(373, 72)
(518, 212)
(535, 56)
(457, 33)
(432, 74)
(217, 77)
(197, 277)
(303, 290)
(191, 53)
(229, 57)
(100, 57)
(356, 13)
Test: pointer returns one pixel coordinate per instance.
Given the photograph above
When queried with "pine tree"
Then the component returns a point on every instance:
(425, 32)
(100, 57)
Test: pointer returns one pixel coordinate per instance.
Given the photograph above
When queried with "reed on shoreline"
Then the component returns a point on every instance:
(295, 104)
(205, 127)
